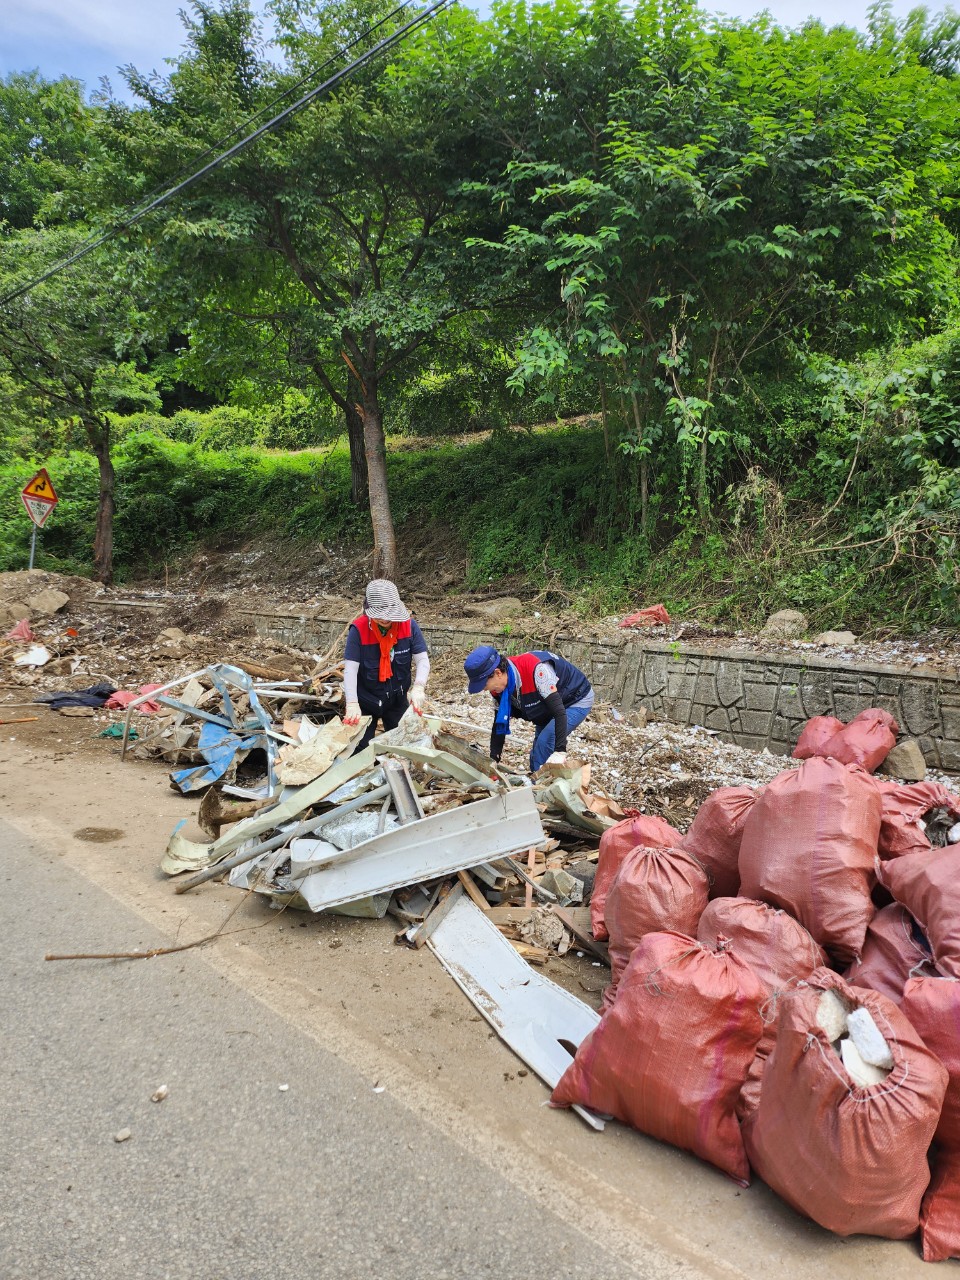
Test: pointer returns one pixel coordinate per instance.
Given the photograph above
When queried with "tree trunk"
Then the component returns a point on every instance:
(359, 483)
(644, 473)
(99, 436)
(603, 419)
(375, 451)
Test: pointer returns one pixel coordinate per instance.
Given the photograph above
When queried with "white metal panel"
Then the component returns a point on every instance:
(435, 846)
(535, 1017)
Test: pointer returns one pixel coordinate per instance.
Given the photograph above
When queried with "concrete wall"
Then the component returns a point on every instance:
(754, 699)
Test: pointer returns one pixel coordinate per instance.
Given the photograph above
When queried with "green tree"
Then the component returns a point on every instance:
(738, 189)
(340, 234)
(44, 126)
(66, 352)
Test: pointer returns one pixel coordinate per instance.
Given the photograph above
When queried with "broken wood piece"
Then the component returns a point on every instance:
(474, 894)
(509, 915)
(450, 892)
(544, 894)
(577, 920)
(264, 673)
(531, 865)
(533, 955)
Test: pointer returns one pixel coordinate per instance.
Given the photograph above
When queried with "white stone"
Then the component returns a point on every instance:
(832, 1015)
(835, 637)
(868, 1038)
(863, 1074)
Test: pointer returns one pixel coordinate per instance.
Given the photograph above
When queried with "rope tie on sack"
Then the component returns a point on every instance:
(648, 982)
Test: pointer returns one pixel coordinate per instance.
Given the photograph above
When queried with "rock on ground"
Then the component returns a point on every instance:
(905, 761)
(786, 623)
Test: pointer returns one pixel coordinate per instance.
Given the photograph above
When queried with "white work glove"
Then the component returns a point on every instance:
(415, 697)
(558, 757)
(352, 714)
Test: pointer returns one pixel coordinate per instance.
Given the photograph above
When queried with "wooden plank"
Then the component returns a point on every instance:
(509, 915)
(579, 926)
(533, 955)
(473, 893)
(531, 867)
(445, 904)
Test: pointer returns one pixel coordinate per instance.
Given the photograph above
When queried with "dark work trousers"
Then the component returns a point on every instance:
(389, 710)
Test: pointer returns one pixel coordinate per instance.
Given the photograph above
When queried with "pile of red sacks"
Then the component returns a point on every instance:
(785, 989)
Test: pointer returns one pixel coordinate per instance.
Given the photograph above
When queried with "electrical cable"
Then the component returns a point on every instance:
(245, 124)
(386, 44)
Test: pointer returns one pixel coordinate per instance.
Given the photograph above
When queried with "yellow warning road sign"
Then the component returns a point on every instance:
(39, 497)
(41, 486)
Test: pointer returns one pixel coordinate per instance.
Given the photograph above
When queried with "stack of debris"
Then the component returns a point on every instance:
(729, 1030)
(418, 824)
(223, 714)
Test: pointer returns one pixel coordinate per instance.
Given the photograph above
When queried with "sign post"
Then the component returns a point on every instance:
(39, 497)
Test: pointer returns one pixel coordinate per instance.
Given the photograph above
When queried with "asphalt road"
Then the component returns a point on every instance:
(231, 1177)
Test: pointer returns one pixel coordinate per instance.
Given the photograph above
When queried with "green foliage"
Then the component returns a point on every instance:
(44, 128)
(737, 241)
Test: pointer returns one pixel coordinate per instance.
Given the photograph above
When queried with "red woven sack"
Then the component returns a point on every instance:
(776, 947)
(817, 731)
(715, 834)
(615, 843)
(655, 889)
(749, 1098)
(891, 952)
(809, 846)
(940, 1214)
(671, 1055)
(865, 741)
(852, 1159)
(902, 813)
(928, 885)
(933, 1008)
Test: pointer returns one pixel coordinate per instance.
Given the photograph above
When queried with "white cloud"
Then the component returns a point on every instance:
(118, 28)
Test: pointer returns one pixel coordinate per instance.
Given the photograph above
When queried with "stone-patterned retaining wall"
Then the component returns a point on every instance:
(754, 699)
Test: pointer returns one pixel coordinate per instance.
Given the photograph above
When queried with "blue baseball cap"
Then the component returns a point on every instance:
(480, 664)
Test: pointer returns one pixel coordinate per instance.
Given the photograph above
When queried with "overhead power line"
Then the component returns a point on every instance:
(214, 147)
(388, 42)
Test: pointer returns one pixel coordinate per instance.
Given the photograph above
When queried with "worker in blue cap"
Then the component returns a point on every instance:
(538, 686)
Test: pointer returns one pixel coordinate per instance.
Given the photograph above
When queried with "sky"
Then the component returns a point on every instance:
(89, 39)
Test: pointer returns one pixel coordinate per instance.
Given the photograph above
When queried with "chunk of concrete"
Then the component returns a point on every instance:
(832, 1015)
(868, 1038)
(863, 1074)
(12, 612)
(905, 761)
(542, 929)
(835, 637)
(566, 888)
(786, 624)
(48, 601)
